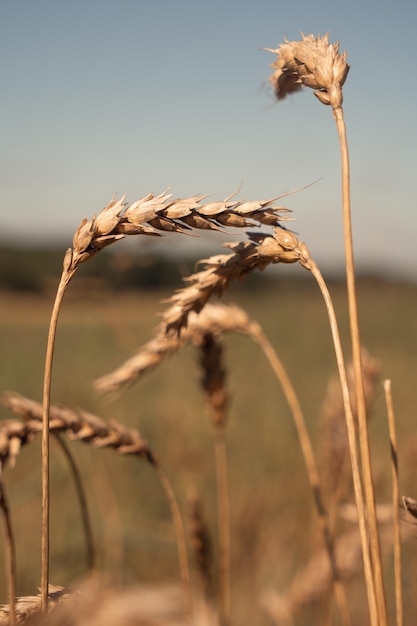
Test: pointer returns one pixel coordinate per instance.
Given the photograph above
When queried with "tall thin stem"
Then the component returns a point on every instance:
(357, 369)
(310, 461)
(85, 517)
(10, 553)
(180, 537)
(65, 278)
(395, 501)
(223, 523)
(360, 504)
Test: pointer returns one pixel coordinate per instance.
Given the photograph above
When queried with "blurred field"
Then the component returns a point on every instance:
(273, 519)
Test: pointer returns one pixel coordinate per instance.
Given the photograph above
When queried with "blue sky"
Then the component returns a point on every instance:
(132, 96)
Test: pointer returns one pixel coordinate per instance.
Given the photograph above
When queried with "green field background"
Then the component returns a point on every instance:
(274, 526)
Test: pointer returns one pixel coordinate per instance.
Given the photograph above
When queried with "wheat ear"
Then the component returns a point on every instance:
(28, 607)
(214, 318)
(83, 426)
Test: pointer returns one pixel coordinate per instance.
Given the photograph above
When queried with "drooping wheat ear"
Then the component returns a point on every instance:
(256, 253)
(214, 318)
(201, 543)
(149, 215)
(334, 448)
(77, 425)
(27, 608)
(314, 62)
(83, 426)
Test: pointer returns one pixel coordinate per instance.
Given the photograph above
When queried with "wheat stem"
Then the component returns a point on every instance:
(10, 552)
(214, 385)
(65, 278)
(395, 500)
(88, 532)
(258, 335)
(360, 504)
(180, 535)
(357, 368)
(223, 524)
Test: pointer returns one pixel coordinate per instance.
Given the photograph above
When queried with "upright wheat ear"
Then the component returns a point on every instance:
(312, 62)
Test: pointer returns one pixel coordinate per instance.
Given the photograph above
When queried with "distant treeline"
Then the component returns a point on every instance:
(38, 270)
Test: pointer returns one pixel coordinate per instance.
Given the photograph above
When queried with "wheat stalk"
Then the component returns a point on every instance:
(217, 397)
(10, 551)
(334, 444)
(257, 253)
(149, 215)
(83, 426)
(395, 499)
(82, 499)
(314, 62)
(200, 543)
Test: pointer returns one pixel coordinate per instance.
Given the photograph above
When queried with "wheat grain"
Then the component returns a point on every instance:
(312, 62)
(97, 605)
(256, 253)
(152, 215)
(214, 318)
